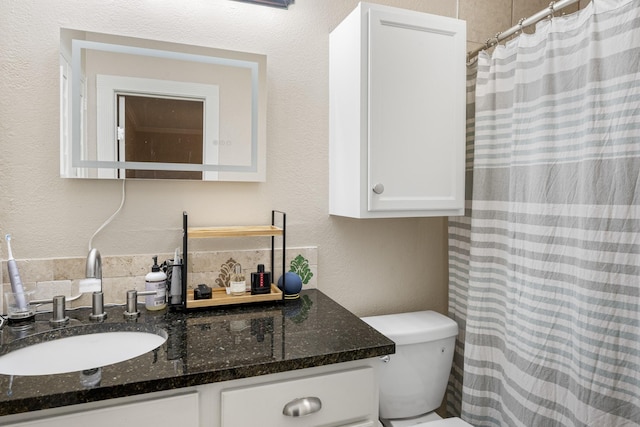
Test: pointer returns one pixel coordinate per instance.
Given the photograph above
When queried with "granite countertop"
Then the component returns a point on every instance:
(202, 347)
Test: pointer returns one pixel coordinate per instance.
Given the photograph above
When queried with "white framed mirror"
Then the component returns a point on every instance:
(135, 108)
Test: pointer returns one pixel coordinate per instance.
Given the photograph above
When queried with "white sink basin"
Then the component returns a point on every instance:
(77, 353)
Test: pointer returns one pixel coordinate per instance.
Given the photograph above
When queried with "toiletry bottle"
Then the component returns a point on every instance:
(156, 280)
(175, 288)
(260, 281)
(237, 282)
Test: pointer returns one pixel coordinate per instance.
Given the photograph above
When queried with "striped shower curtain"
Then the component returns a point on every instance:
(545, 267)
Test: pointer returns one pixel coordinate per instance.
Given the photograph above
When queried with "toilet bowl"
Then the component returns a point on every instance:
(413, 381)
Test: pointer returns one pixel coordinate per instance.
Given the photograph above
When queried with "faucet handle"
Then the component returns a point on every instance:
(59, 314)
(132, 305)
(97, 311)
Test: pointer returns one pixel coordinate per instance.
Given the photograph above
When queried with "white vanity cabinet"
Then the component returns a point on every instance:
(347, 393)
(397, 114)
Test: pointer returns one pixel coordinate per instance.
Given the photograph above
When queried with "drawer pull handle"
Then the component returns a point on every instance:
(302, 406)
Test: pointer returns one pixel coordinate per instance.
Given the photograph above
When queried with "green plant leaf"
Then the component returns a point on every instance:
(300, 266)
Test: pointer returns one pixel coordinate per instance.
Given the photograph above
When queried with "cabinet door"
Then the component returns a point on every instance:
(172, 411)
(416, 131)
(346, 398)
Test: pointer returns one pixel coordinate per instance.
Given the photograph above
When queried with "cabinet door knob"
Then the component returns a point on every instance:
(302, 406)
(378, 188)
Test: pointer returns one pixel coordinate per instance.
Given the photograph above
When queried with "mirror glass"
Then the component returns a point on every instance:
(135, 108)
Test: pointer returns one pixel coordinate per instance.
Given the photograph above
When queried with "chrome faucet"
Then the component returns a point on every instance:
(94, 271)
(94, 266)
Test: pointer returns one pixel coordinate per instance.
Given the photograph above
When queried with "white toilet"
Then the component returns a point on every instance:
(413, 381)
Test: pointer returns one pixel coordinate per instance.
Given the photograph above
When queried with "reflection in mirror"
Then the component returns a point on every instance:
(163, 130)
(134, 108)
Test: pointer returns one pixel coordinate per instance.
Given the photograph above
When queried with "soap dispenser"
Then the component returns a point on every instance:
(156, 281)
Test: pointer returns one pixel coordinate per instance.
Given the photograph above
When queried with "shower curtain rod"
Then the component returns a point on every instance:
(554, 6)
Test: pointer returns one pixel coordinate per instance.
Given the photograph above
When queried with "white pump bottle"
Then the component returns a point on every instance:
(156, 280)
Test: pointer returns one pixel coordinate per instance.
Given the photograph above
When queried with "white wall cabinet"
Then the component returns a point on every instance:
(397, 114)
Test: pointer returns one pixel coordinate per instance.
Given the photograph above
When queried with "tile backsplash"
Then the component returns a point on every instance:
(60, 276)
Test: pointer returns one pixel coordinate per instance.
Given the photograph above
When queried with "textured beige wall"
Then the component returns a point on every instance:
(485, 18)
(370, 266)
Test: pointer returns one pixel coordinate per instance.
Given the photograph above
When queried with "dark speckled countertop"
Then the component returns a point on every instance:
(202, 347)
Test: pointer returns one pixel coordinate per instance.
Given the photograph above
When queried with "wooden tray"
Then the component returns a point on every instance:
(235, 231)
(220, 297)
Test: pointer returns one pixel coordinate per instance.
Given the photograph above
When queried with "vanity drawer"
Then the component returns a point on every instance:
(348, 398)
(181, 410)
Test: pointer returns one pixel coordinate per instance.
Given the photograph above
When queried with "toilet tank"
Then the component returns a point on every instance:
(414, 380)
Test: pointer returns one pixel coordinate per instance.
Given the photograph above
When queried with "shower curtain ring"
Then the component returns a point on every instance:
(497, 38)
(551, 8)
(520, 22)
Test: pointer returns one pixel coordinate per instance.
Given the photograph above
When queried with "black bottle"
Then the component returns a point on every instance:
(260, 281)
